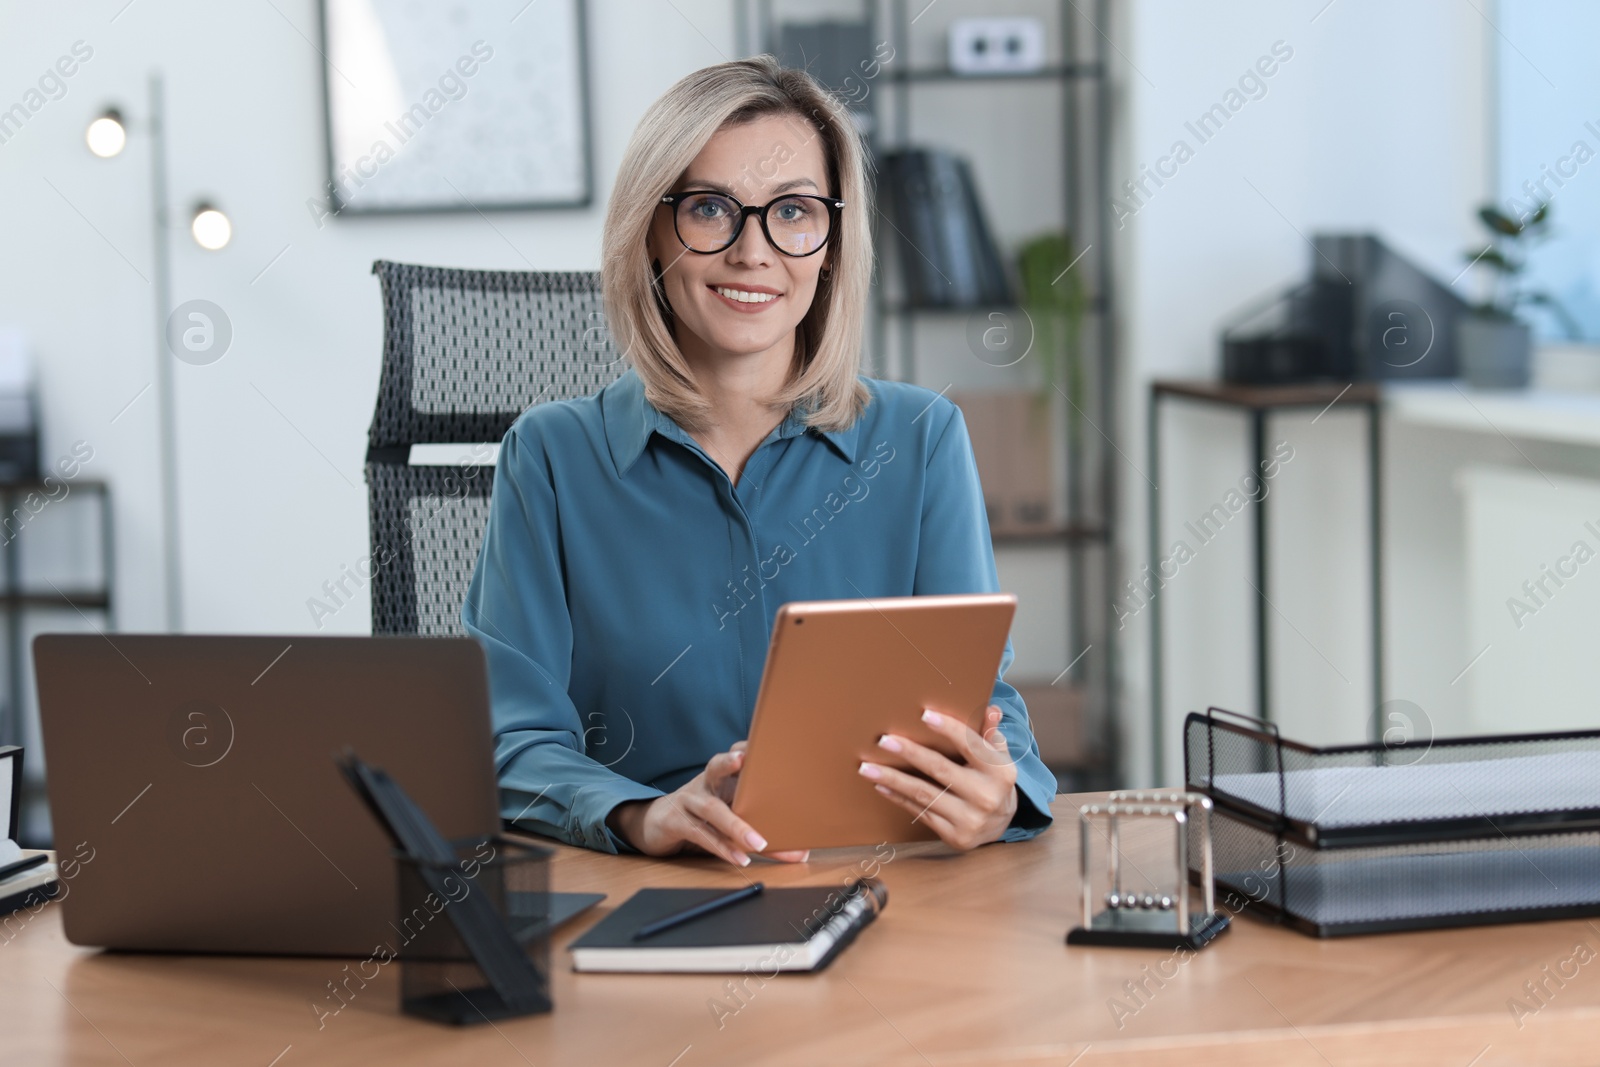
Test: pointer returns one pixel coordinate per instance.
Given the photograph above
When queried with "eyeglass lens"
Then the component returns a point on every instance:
(706, 222)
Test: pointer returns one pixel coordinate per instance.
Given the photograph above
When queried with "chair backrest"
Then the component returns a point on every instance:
(464, 353)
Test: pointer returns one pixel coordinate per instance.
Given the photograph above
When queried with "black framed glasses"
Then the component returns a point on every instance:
(796, 225)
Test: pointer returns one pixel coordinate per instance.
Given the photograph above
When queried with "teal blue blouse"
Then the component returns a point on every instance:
(626, 589)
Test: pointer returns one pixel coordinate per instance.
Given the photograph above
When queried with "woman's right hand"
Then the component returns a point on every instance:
(696, 815)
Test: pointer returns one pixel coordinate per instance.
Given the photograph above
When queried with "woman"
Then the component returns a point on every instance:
(640, 540)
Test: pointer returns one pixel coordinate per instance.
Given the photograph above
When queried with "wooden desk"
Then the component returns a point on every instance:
(966, 966)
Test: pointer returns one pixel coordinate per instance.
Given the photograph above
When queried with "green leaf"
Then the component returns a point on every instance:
(1491, 257)
(1498, 222)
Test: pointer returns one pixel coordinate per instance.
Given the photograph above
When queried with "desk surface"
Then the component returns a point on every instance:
(967, 965)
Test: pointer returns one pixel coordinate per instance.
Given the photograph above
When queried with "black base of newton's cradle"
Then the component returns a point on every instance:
(1149, 929)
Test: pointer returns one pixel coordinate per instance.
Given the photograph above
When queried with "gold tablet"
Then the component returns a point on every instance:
(839, 674)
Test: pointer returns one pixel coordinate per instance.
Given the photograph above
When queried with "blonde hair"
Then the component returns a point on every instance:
(672, 132)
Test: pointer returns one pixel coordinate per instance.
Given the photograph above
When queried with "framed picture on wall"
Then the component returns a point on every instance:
(454, 105)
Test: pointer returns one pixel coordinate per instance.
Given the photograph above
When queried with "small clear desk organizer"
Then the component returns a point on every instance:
(440, 978)
(1359, 839)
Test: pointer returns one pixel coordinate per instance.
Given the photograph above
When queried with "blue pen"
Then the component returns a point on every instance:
(680, 917)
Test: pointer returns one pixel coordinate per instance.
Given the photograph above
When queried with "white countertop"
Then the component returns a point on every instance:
(1547, 415)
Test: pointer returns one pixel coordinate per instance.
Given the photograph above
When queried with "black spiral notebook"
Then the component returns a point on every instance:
(800, 928)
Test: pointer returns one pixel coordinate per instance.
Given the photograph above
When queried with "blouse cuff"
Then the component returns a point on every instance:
(592, 805)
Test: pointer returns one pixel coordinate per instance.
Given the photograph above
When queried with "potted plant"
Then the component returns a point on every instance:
(1493, 346)
(1055, 298)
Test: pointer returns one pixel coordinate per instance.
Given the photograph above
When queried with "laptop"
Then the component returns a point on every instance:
(197, 775)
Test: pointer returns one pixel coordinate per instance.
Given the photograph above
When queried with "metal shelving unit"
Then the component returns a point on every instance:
(1086, 537)
(19, 599)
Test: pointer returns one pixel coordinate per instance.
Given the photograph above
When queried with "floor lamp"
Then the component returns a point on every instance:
(106, 137)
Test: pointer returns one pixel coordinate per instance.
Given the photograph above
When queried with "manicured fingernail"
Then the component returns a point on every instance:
(888, 743)
(885, 790)
(869, 770)
(804, 856)
(744, 861)
(755, 840)
(931, 717)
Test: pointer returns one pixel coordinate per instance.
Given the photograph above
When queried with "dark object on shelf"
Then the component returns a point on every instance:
(19, 441)
(948, 257)
(1293, 343)
(19, 410)
(1366, 314)
(497, 937)
(1359, 839)
(1259, 402)
(1152, 918)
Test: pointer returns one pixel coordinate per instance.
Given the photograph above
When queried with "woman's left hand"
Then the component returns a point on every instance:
(972, 802)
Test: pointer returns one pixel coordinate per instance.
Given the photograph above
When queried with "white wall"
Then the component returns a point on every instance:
(271, 438)
(1376, 123)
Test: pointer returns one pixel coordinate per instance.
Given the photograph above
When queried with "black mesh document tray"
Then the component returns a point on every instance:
(1366, 838)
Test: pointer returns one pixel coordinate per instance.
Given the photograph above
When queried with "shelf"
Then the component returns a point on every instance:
(74, 483)
(94, 599)
(1047, 73)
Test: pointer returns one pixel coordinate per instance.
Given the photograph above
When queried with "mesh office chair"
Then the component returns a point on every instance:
(464, 353)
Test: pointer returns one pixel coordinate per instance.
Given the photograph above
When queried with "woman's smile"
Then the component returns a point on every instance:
(748, 299)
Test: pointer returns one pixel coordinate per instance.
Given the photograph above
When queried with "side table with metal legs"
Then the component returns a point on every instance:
(1259, 402)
